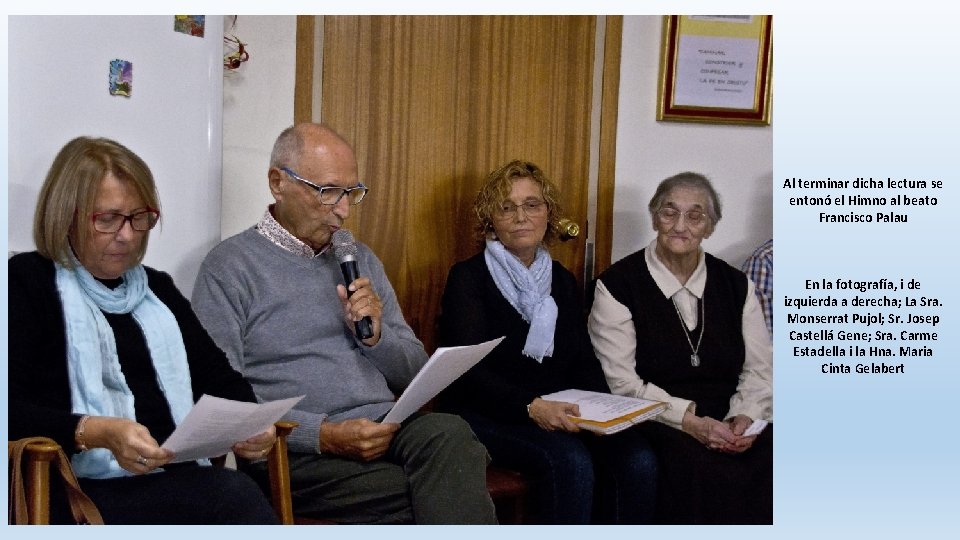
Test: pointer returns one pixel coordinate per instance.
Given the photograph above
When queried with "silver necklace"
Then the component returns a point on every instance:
(695, 357)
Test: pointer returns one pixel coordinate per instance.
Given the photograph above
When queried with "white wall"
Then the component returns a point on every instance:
(257, 106)
(737, 159)
(58, 90)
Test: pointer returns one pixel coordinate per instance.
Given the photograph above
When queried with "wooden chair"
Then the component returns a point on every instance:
(36, 480)
(36, 477)
(278, 466)
(509, 490)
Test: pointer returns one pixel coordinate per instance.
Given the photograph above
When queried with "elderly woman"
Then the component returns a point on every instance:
(675, 324)
(513, 288)
(106, 356)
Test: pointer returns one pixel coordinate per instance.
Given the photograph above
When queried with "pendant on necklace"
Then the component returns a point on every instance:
(695, 360)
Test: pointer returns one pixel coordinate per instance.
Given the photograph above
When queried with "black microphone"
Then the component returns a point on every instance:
(345, 250)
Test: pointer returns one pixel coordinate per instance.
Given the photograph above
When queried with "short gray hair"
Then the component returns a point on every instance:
(287, 149)
(688, 180)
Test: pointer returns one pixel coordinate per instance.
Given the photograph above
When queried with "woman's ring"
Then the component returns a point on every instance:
(142, 460)
(263, 452)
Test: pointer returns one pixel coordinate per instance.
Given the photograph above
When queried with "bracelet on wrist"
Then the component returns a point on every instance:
(78, 435)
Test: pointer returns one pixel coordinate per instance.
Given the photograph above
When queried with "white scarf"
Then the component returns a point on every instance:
(97, 385)
(528, 291)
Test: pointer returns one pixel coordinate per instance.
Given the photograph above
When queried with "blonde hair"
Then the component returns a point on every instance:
(497, 189)
(69, 193)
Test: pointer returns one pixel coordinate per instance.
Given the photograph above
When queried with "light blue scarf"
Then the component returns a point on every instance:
(97, 386)
(528, 291)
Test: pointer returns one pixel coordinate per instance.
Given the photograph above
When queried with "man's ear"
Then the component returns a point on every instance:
(276, 182)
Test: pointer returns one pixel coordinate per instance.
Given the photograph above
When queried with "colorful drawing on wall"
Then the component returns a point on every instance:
(189, 24)
(121, 78)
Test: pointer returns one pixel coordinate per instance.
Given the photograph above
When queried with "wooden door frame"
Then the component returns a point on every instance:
(606, 177)
(303, 85)
(303, 111)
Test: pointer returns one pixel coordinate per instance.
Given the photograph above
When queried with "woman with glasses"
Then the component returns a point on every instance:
(106, 356)
(675, 324)
(514, 288)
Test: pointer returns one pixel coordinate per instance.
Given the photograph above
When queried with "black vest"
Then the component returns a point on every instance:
(663, 353)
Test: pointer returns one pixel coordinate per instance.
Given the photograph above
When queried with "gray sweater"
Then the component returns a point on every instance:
(280, 321)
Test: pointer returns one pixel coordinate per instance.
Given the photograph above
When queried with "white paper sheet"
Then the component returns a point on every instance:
(716, 71)
(215, 424)
(600, 407)
(755, 428)
(446, 364)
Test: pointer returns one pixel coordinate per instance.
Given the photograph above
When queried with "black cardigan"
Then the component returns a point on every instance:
(503, 383)
(39, 392)
(662, 350)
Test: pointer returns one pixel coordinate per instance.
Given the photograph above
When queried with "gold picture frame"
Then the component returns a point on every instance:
(716, 69)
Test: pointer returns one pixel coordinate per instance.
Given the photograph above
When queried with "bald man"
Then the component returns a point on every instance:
(274, 299)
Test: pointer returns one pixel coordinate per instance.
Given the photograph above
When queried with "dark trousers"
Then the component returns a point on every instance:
(433, 473)
(181, 496)
(701, 486)
(576, 477)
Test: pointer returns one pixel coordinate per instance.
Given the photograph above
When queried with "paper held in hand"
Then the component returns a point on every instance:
(607, 413)
(215, 424)
(446, 364)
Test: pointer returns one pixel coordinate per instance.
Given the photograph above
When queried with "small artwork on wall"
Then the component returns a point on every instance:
(121, 78)
(189, 24)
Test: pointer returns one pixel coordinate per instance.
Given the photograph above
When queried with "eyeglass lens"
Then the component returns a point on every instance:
(111, 222)
(672, 214)
(530, 208)
(332, 195)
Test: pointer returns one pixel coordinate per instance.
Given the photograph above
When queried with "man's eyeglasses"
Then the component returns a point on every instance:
(111, 222)
(671, 215)
(331, 195)
(531, 208)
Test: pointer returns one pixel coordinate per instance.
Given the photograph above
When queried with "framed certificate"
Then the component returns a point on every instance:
(715, 68)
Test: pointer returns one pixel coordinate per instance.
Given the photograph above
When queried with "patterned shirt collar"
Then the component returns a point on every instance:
(271, 229)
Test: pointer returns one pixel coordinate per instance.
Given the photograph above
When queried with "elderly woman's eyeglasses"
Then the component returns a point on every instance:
(331, 195)
(671, 215)
(111, 222)
(531, 208)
